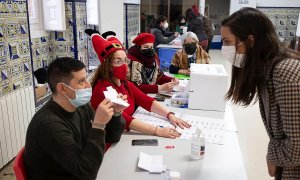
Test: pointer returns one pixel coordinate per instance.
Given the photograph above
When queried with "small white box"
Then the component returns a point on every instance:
(208, 87)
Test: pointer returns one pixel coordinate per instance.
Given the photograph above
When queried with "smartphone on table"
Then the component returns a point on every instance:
(144, 142)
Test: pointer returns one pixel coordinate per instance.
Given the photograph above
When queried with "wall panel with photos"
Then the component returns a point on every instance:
(131, 21)
(285, 21)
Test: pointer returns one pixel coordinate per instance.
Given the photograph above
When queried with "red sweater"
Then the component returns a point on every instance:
(134, 97)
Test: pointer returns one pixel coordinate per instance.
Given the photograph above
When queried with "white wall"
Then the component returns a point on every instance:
(132, 1)
(235, 5)
(111, 17)
(277, 3)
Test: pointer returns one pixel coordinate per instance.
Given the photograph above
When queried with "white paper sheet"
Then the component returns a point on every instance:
(151, 163)
(212, 128)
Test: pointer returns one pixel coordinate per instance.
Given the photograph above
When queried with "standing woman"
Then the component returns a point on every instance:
(264, 69)
(112, 72)
(196, 25)
(159, 30)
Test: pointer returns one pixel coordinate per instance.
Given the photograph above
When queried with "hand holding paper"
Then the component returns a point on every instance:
(112, 95)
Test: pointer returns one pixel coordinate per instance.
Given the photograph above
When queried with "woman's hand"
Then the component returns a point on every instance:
(175, 81)
(167, 87)
(271, 168)
(184, 72)
(167, 132)
(175, 121)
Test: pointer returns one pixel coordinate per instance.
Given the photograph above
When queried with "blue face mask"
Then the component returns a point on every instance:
(83, 96)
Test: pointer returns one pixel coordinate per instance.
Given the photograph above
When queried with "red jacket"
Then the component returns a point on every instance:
(134, 97)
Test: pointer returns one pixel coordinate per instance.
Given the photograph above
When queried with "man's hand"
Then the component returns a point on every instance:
(103, 114)
(118, 108)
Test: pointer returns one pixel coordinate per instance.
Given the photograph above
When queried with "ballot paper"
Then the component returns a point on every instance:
(112, 95)
(151, 163)
(212, 128)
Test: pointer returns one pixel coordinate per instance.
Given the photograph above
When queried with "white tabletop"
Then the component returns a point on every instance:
(220, 162)
(169, 46)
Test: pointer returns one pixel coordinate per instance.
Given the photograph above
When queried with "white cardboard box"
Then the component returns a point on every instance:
(208, 86)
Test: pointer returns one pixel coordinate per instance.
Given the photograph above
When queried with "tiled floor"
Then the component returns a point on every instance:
(252, 136)
(7, 172)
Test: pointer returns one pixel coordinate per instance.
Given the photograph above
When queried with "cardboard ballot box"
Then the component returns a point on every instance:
(208, 86)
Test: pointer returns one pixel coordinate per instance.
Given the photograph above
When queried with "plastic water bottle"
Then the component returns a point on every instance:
(198, 145)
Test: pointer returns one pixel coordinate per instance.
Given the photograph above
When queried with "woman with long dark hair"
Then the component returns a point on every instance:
(265, 70)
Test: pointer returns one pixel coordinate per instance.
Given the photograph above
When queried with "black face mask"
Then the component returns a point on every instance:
(190, 48)
(181, 24)
(147, 52)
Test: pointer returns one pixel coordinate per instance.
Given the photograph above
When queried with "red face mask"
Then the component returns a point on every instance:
(120, 72)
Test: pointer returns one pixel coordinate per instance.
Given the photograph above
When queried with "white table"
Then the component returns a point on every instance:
(221, 162)
(169, 46)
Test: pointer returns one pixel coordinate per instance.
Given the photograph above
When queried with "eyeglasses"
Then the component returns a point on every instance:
(119, 61)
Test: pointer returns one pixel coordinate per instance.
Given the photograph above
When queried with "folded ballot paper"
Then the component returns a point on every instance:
(151, 163)
(112, 95)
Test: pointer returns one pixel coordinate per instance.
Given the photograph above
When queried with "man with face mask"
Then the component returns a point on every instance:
(190, 53)
(66, 138)
(144, 66)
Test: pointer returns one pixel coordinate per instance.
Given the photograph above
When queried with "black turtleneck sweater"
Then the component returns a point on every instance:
(63, 145)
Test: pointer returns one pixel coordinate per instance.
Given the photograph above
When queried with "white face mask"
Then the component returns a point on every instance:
(229, 53)
(166, 25)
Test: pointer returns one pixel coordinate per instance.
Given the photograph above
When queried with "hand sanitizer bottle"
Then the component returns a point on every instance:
(198, 145)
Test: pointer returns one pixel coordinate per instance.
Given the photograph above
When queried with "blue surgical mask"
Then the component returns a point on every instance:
(83, 96)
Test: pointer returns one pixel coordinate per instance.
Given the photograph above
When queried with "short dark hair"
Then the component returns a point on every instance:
(190, 14)
(60, 70)
(160, 19)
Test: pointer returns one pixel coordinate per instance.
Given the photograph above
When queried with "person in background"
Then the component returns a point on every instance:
(208, 28)
(112, 72)
(159, 30)
(181, 24)
(144, 69)
(66, 138)
(190, 53)
(196, 25)
(265, 70)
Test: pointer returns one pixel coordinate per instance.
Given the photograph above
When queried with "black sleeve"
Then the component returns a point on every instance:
(58, 142)
(161, 39)
(173, 69)
(114, 129)
(168, 33)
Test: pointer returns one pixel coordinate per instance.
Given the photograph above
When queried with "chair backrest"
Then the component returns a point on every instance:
(19, 167)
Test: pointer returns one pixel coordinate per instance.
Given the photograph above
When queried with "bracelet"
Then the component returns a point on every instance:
(117, 114)
(169, 113)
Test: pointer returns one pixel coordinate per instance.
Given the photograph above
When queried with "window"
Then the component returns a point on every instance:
(36, 18)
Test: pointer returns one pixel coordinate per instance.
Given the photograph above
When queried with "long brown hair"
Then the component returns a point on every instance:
(266, 49)
(104, 71)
